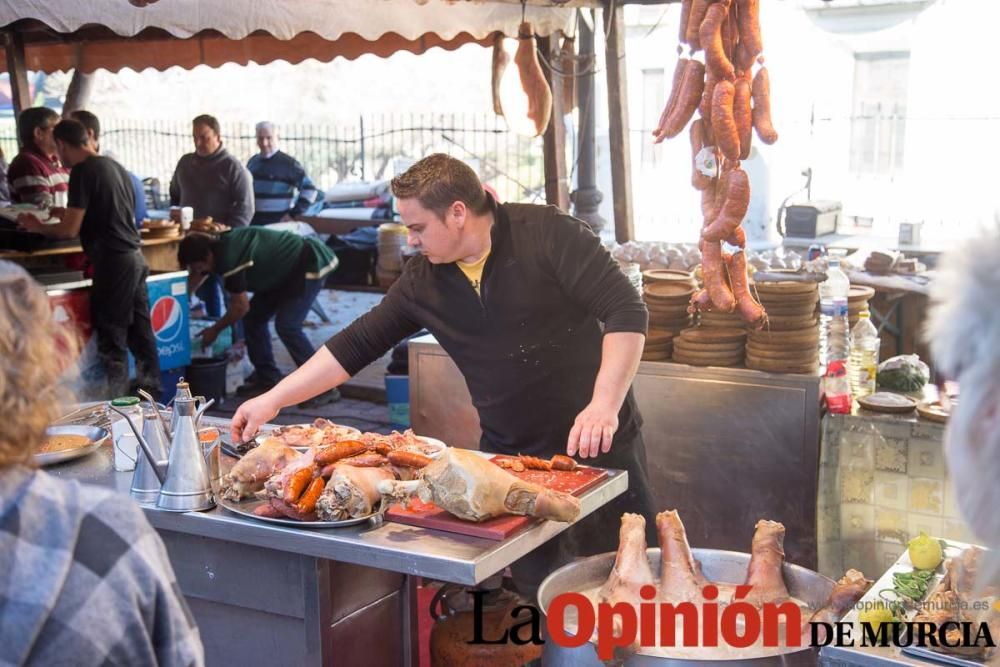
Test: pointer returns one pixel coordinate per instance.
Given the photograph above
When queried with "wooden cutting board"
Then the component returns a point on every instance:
(429, 515)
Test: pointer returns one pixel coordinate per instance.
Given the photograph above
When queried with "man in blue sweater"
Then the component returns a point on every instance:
(281, 188)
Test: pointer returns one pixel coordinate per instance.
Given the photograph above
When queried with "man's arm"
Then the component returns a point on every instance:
(308, 195)
(242, 193)
(321, 373)
(68, 227)
(592, 278)
(362, 342)
(594, 428)
(239, 306)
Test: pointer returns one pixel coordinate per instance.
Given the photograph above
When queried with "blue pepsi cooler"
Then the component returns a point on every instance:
(397, 395)
(171, 318)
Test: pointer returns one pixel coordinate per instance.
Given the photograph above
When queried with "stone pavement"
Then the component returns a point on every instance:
(363, 405)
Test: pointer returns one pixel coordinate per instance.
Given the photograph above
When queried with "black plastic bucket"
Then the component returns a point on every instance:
(207, 378)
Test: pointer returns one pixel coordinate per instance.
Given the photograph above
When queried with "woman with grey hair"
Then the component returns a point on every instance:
(964, 333)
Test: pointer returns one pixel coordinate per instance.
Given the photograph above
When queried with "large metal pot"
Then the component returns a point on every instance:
(718, 566)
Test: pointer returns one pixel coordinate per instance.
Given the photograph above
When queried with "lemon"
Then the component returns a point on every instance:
(875, 615)
(925, 552)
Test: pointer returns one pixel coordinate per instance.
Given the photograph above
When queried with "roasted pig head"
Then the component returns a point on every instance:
(475, 489)
(767, 556)
(248, 475)
(680, 574)
(352, 492)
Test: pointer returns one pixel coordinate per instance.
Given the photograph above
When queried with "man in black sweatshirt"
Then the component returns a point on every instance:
(517, 295)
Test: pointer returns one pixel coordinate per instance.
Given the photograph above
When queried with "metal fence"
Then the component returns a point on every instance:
(372, 148)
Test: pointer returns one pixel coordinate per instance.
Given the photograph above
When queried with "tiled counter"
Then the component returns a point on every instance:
(882, 480)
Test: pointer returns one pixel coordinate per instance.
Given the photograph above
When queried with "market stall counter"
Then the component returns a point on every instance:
(263, 593)
(160, 254)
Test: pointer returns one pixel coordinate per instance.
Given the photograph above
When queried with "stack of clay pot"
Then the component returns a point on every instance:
(857, 300)
(789, 341)
(710, 346)
(659, 345)
(667, 301)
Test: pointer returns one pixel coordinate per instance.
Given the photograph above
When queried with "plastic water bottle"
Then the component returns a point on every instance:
(835, 287)
(835, 338)
(864, 356)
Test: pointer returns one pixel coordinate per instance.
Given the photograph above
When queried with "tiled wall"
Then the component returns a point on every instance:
(882, 480)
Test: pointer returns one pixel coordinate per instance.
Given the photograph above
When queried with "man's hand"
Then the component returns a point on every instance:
(58, 212)
(30, 223)
(288, 217)
(208, 336)
(249, 417)
(593, 430)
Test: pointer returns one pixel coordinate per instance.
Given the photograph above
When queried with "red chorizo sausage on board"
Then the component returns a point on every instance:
(761, 92)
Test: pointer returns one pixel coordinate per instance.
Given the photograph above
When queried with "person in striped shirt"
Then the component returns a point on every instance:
(281, 188)
(36, 175)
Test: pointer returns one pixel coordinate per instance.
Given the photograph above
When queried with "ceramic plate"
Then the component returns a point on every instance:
(884, 401)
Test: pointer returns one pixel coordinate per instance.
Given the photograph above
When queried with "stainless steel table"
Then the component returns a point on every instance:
(264, 594)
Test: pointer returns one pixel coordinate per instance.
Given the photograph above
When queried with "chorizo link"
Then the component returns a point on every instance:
(742, 115)
(713, 271)
(341, 450)
(692, 85)
(761, 91)
(710, 34)
(675, 90)
(685, 18)
(296, 484)
(751, 43)
(563, 462)
(734, 207)
(727, 137)
(751, 311)
(535, 463)
(307, 503)
(698, 10)
(409, 459)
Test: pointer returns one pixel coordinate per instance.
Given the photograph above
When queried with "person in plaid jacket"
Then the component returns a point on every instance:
(84, 578)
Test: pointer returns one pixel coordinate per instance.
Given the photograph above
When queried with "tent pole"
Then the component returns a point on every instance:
(621, 176)
(78, 93)
(586, 198)
(554, 150)
(19, 91)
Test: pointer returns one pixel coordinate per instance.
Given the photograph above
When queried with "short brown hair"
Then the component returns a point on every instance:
(35, 353)
(438, 181)
(210, 121)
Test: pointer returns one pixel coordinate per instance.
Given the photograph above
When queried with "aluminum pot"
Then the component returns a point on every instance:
(717, 566)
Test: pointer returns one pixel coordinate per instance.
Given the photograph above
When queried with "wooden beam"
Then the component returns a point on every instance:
(618, 130)
(19, 92)
(554, 149)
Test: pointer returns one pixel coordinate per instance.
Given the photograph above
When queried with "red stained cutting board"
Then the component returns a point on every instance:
(429, 515)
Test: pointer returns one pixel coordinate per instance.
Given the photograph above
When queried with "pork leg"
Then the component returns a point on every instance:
(631, 570)
(767, 555)
(681, 579)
